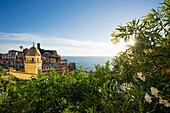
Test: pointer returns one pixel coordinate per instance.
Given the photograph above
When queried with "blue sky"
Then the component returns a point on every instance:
(72, 27)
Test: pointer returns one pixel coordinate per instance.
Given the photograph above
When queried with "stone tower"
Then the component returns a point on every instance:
(33, 60)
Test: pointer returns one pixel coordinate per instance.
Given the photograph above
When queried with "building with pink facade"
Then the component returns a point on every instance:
(50, 60)
(57, 66)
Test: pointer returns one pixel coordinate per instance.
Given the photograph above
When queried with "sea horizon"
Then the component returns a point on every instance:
(88, 62)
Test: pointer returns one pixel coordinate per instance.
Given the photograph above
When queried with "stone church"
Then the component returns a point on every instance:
(33, 60)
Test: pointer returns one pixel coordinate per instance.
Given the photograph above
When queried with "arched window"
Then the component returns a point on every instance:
(32, 59)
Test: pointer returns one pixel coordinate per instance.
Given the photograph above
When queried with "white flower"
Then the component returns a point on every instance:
(154, 91)
(145, 51)
(100, 90)
(157, 45)
(126, 86)
(143, 78)
(165, 102)
(161, 101)
(148, 50)
(140, 76)
(148, 98)
(132, 98)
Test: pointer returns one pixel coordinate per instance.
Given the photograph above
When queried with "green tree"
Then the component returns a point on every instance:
(146, 63)
(139, 81)
(21, 48)
(1, 72)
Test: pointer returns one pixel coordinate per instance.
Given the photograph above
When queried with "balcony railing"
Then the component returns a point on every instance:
(32, 62)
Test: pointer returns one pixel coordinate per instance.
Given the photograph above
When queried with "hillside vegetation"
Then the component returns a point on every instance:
(139, 81)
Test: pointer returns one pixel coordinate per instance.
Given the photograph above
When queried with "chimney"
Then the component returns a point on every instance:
(38, 45)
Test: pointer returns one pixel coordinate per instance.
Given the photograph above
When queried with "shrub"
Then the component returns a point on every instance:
(139, 81)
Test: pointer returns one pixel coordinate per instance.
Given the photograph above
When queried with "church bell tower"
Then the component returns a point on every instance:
(33, 60)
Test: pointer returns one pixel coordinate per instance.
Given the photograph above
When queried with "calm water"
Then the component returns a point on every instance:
(87, 62)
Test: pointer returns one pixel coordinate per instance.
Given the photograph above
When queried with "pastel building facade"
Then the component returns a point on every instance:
(33, 60)
(12, 55)
(57, 66)
(3, 56)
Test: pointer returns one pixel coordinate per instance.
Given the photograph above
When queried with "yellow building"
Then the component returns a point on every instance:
(33, 60)
(12, 55)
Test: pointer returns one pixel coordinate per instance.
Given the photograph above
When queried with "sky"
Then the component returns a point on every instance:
(72, 27)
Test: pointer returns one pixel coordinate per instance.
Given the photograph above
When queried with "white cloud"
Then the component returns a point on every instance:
(66, 47)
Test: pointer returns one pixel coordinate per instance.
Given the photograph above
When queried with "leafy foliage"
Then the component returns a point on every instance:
(139, 81)
(149, 56)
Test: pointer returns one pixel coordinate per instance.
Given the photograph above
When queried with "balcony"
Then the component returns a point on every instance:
(32, 62)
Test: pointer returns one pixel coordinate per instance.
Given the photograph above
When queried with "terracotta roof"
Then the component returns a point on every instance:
(13, 51)
(54, 64)
(2, 59)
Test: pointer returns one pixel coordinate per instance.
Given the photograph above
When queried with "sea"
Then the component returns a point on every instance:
(88, 62)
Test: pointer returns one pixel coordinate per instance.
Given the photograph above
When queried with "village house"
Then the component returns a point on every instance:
(33, 59)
